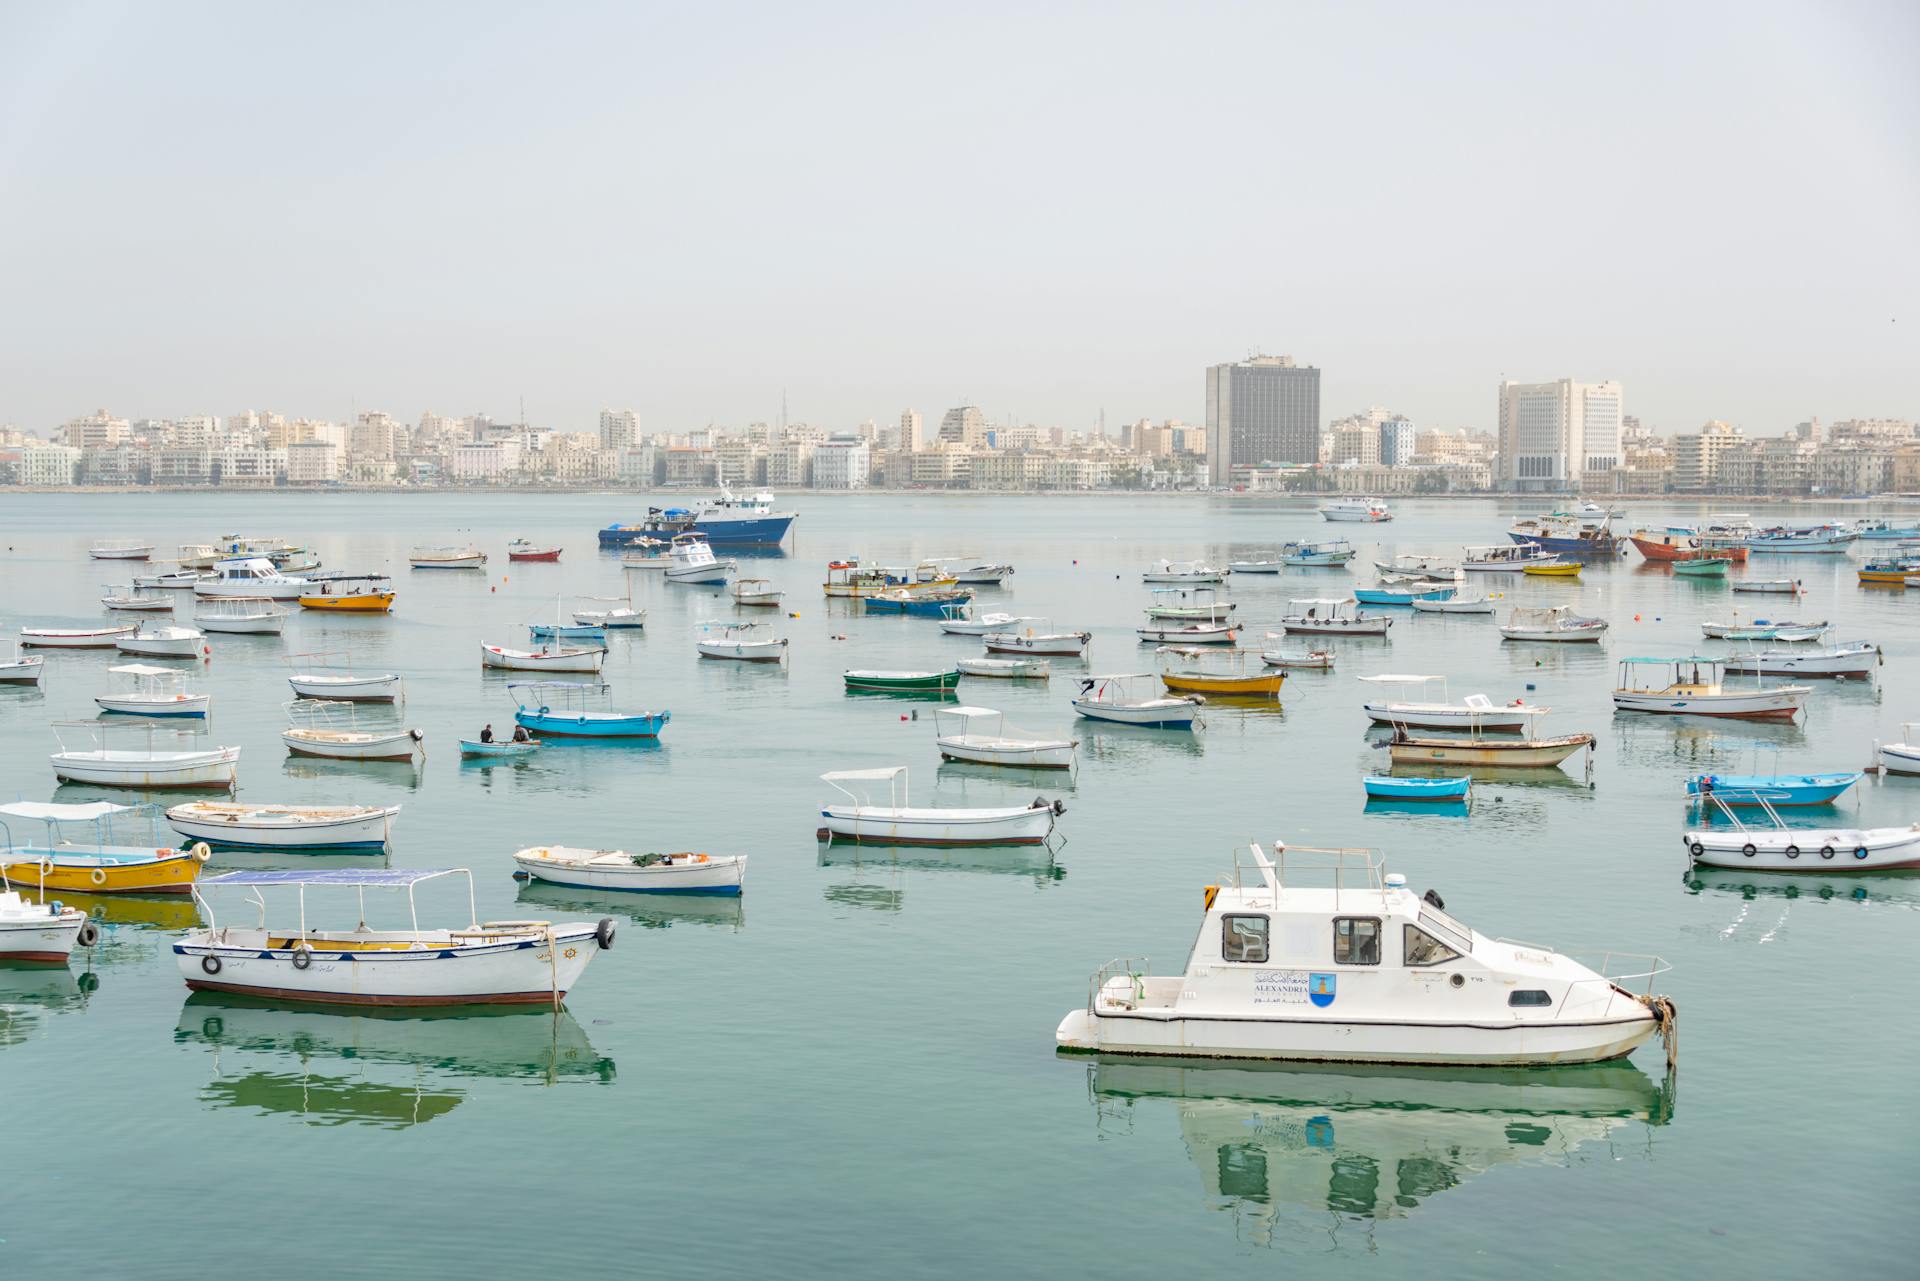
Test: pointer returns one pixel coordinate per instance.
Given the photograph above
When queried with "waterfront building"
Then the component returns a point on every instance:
(313, 462)
(98, 430)
(1353, 440)
(841, 462)
(1259, 411)
(1398, 441)
(619, 428)
(689, 465)
(1696, 456)
(251, 467)
(639, 465)
(483, 461)
(115, 465)
(183, 465)
(790, 464)
(1560, 435)
(963, 425)
(43, 464)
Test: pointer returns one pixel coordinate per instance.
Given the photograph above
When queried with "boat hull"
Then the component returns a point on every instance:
(585, 660)
(168, 872)
(105, 638)
(1582, 636)
(751, 652)
(1161, 713)
(880, 825)
(132, 769)
(549, 724)
(369, 689)
(1434, 790)
(1070, 646)
(520, 972)
(1806, 850)
(1770, 704)
(43, 942)
(756, 531)
(474, 749)
(364, 603)
(1775, 789)
(1259, 685)
(361, 830)
(262, 625)
(191, 706)
(21, 671)
(1014, 754)
(1851, 663)
(370, 747)
(1318, 627)
(715, 876)
(1525, 753)
(1444, 717)
(1035, 669)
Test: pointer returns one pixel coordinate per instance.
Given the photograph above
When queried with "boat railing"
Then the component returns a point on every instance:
(1133, 968)
(1339, 868)
(1723, 801)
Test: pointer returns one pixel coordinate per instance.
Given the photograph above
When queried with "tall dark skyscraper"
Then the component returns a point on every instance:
(1263, 410)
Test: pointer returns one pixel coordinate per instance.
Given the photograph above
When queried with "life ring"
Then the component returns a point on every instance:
(1826, 851)
(88, 935)
(1696, 849)
(211, 964)
(1748, 850)
(603, 933)
(200, 851)
(302, 958)
(99, 876)
(1793, 851)
(1860, 851)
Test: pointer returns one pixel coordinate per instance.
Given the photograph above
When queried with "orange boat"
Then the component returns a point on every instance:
(1665, 545)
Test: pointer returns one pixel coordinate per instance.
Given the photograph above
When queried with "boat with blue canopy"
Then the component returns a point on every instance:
(580, 709)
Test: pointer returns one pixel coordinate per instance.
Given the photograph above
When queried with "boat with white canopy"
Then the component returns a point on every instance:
(580, 709)
(145, 765)
(898, 823)
(742, 642)
(1190, 604)
(333, 730)
(1134, 698)
(1453, 605)
(1176, 632)
(152, 691)
(1476, 712)
(1769, 586)
(164, 641)
(1785, 631)
(980, 734)
(1326, 554)
(1764, 842)
(86, 849)
(167, 580)
(685, 872)
(1410, 565)
(251, 576)
(1332, 616)
(1507, 558)
(1323, 955)
(133, 599)
(491, 963)
(1040, 638)
(331, 676)
(1692, 686)
(241, 615)
(1183, 571)
(755, 592)
(1554, 623)
(304, 829)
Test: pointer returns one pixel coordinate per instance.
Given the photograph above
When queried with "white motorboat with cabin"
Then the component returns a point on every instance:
(980, 735)
(1040, 639)
(1856, 659)
(1902, 757)
(1356, 509)
(1033, 669)
(1331, 553)
(1554, 623)
(1476, 713)
(165, 641)
(694, 564)
(43, 932)
(251, 576)
(981, 573)
(120, 549)
(331, 677)
(145, 765)
(307, 829)
(962, 620)
(898, 823)
(755, 592)
(132, 599)
(1332, 616)
(1183, 571)
(467, 557)
(1321, 955)
(495, 963)
(152, 691)
(1693, 686)
(76, 637)
(333, 730)
(241, 615)
(1267, 566)
(743, 642)
(551, 658)
(1134, 698)
(679, 873)
(1771, 846)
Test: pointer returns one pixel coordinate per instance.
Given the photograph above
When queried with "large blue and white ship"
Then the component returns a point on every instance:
(729, 520)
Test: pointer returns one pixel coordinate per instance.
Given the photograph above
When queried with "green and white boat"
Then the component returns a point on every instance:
(904, 682)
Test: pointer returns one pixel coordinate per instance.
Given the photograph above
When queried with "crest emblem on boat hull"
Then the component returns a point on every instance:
(1321, 987)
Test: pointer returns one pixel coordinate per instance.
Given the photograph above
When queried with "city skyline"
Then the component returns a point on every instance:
(464, 209)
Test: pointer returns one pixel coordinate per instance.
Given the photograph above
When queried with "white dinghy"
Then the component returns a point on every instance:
(1902, 757)
(742, 642)
(331, 677)
(980, 735)
(146, 765)
(332, 730)
(1477, 713)
(961, 620)
(152, 691)
(76, 637)
(1779, 848)
(132, 599)
(1848, 659)
(120, 549)
(1017, 669)
(1456, 605)
(241, 615)
(1323, 956)
(681, 873)
(1038, 639)
(1554, 623)
(21, 669)
(897, 823)
(305, 829)
(42, 932)
(169, 641)
(1134, 698)
(491, 963)
(467, 557)
(1183, 571)
(552, 658)
(755, 592)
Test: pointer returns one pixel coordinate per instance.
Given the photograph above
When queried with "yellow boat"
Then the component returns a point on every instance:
(60, 865)
(360, 594)
(1227, 678)
(1554, 569)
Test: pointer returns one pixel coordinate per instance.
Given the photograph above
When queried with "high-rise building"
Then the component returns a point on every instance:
(841, 463)
(1262, 410)
(1397, 442)
(1559, 435)
(98, 430)
(913, 430)
(964, 425)
(619, 428)
(1696, 455)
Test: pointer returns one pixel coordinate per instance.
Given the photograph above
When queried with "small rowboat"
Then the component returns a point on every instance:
(1037, 669)
(1382, 787)
(1458, 605)
(120, 549)
(20, 670)
(468, 557)
(1785, 849)
(132, 602)
(1312, 660)
(1552, 569)
(755, 591)
(980, 735)
(682, 873)
(1774, 789)
(1189, 633)
(1705, 567)
(164, 642)
(1402, 595)
(897, 823)
(332, 730)
(903, 682)
(474, 749)
(303, 829)
(521, 549)
(1770, 586)
(75, 637)
(1524, 753)
(559, 658)
(40, 932)
(59, 865)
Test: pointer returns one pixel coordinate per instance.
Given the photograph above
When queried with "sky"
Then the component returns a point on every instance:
(1050, 211)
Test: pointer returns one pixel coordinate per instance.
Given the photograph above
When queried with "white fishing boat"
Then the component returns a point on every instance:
(331, 677)
(1134, 698)
(198, 556)
(744, 642)
(1692, 687)
(1849, 659)
(898, 823)
(1454, 605)
(1765, 629)
(1476, 712)
(145, 765)
(131, 599)
(1326, 554)
(1367, 510)
(1191, 604)
(1033, 669)
(1902, 757)
(21, 669)
(43, 932)
(1305, 660)
(1332, 617)
(1768, 586)
(1323, 955)
(679, 873)
(241, 615)
(982, 573)
(552, 658)
(1507, 558)
(1437, 569)
(167, 580)
(1272, 566)
(694, 564)
(980, 735)
(1775, 847)
(961, 620)
(311, 829)
(120, 549)
(153, 691)
(251, 576)
(1038, 639)
(333, 730)
(1180, 633)
(616, 617)
(169, 641)
(467, 557)
(1183, 571)
(495, 963)
(755, 592)
(76, 637)
(1554, 623)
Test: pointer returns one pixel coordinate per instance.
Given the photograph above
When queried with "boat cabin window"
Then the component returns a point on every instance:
(1419, 948)
(1529, 996)
(1356, 940)
(1243, 938)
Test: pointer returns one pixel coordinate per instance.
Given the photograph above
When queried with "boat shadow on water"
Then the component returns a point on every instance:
(648, 911)
(1048, 779)
(1278, 1142)
(1117, 743)
(1893, 889)
(393, 776)
(1036, 862)
(377, 1067)
(30, 991)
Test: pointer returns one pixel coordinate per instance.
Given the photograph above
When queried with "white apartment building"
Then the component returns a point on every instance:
(790, 464)
(1696, 455)
(841, 463)
(1353, 440)
(182, 465)
(913, 430)
(251, 467)
(42, 464)
(619, 428)
(1559, 436)
(638, 465)
(313, 462)
(98, 430)
(483, 461)
(194, 430)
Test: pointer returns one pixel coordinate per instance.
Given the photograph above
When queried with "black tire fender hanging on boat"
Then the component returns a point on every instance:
(1826, 851)
(1793, 851)
(1696, 849)
(302, 958)
(88, 935)
(1748, 850)
(1860, 851)
(211, 964)
(603, 933)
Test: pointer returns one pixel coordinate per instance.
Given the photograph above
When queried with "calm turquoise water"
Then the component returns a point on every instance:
(851, 1070)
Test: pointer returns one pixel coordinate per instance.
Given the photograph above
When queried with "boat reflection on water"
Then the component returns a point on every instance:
(373, 1067)
(1369, 1143)
(961, 772)
(868, 898)
(132, 911)
(1033, 861)
(1376, 808)
(28, 990)
(1137, 744)
(648, 911)
(1892, 889)
(391, 776)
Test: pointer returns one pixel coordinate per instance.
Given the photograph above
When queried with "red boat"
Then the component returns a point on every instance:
(1669, 546)
(521, 549)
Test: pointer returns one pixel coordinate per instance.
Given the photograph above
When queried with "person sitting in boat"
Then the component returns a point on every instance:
(520, 734)
(486, 733)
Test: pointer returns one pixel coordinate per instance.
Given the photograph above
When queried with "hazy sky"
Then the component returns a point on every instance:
(1043, 210)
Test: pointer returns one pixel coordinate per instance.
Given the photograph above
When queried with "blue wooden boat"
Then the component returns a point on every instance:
(566, 709)
(1401, 595)
(1771, 789)
(917, 604)
(1383, 787)
(567, 631)
(474, 748)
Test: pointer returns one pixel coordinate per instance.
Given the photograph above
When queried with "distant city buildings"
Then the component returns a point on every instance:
(1559, 437)
(1261, 411)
